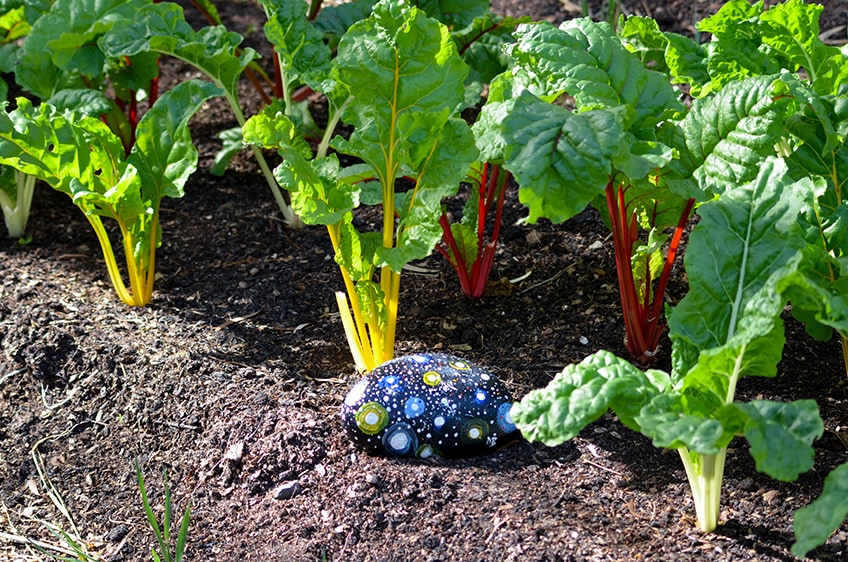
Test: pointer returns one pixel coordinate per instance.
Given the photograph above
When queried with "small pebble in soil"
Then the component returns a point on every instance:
(429, 405)
(287, 490)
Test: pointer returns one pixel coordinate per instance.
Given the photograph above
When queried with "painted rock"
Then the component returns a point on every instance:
(429, 405)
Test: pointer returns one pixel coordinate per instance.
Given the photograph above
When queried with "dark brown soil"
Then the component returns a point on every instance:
(232, 380)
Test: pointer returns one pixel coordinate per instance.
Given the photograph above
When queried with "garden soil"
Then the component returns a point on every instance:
(232, 379)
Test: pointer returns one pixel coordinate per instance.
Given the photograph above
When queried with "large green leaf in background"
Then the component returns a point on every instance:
(588, 62)
(562, 160)
(724, 138)
(298, 42)
(161, 28)
(62, 48)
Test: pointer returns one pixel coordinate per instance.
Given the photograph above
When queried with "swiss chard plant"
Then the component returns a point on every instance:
(464, 243)
(16, 189)
(750, 41)
(161, 29)
(470, 244)
(729, 325)
(406, 85)
(60, 63)
(601, 147)
(80, 156)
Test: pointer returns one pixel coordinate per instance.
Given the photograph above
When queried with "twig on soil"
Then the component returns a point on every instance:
(177, 425)
(52, 491)
(238, 319)
(18, 539)
(568, 269)
(10, 374)
(596, 465)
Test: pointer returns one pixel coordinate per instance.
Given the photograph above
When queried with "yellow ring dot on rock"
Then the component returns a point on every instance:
(371, 418)
(474, 431)
(459, 365)
(432, 378)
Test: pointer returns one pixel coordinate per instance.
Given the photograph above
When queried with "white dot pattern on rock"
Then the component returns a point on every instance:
(428, 405)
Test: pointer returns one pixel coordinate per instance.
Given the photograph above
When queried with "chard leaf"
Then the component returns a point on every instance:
(488, 129)
(693, 420)
(583, 392)
(792, 29)
(815, 522)
(356, 255)
(85, 101)
(439, 172)
(742, 245)
(318, 195)
(561, 160)
(334, 21)
(56, 147)
(586, 60)
(455, 14)
(408, 83)
(467, 245)
(231, 143)
(781, 435)
(680, 57)
(481, 44)
(819, 293)
(724, 138)
(163, 153)
(298, 42)
(161, 28)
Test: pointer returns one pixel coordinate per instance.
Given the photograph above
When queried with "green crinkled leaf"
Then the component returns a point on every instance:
(647, 259)
(466, 243)
(399, 61)
(92, 103)
(561, 160)
(163, 153)
(724, 138)
(75, 26)
(693, 420)
(583, 392)
(792, 29)
(815, 522)
(318, 194)
(679, 56)
(586, 60)
(55, 148)
(161, 28)
(638, 158)
(439, 172)
(737, 252)
(481, 44)
(781, 436)
(819, 294)
(334, 21)
(407, 80)
(488, 130)
(231, 143)
(356, 255)
(298, 42)
(61, 48)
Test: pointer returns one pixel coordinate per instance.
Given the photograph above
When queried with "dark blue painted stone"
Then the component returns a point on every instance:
(429, 405)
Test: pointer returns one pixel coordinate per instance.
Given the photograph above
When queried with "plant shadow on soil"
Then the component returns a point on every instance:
(233, 377)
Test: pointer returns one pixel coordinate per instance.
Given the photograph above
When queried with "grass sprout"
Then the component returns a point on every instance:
(163, 532)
